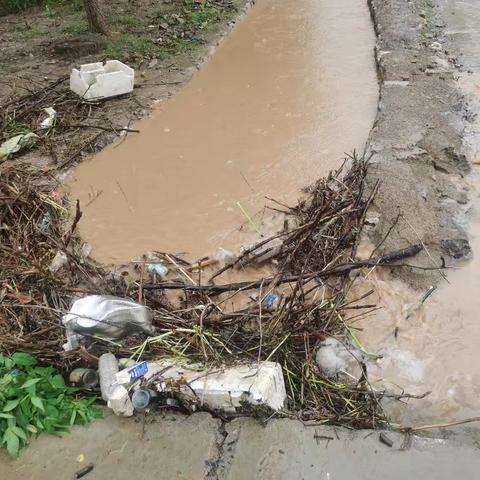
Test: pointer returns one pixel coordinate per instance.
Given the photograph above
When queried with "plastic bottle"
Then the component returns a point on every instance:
(141, 399)
(107, 369)
(84, 377)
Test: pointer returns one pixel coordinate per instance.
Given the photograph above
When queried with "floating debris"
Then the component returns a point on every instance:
(197, 323)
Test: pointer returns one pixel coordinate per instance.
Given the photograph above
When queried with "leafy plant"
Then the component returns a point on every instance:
(35, 399)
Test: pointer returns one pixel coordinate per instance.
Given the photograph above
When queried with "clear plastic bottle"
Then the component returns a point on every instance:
(107, 369)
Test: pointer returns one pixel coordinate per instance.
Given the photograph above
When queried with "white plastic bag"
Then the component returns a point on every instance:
(106, 317)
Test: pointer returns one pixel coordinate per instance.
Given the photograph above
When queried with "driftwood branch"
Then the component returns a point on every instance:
(385, 260)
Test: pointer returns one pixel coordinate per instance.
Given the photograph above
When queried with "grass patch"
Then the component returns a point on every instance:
(16, 6)
(165, 34)
(130, 46)
(75, 26)
(159, 32)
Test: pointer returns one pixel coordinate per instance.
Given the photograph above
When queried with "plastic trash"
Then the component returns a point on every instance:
(226, 256)
(120, 402)
(226, 389)
(84, 377)
(158, 269)
(107, 369)
(45, 222)
(334, 357)
(271, 301)
(16, 143)
(115, 395)
(132, 373)
(106, 317)
(49, 121)
(59, 260)
(99, 80)
(142, 398)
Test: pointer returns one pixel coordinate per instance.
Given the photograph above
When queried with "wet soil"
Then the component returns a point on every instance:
(424, 145)
(273, 110)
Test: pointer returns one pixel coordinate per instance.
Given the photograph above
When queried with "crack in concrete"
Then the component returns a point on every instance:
(216, 465)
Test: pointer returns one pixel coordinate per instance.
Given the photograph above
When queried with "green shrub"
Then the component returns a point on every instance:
(35, 399)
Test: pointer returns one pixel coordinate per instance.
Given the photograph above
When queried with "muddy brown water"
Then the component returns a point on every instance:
(430, 347)
(290, 89)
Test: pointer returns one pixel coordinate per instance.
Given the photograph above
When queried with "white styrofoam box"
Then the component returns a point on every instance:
(94, 81)
(222, 388)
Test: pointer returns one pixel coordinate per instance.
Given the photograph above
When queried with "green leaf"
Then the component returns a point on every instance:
(11, 404)
(30, 382)
(37, 402)
(82, 414)
(20, 433)
(57, 381)
(6, 415)
(23, 359)
(73, 417)
(13, 444)
(31, 428)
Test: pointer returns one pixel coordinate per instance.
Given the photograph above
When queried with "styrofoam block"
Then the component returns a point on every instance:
(222, 388)
(102, 80)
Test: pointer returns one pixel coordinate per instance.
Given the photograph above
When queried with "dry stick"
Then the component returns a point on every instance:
(96, 195)
(78, 216)
(140, 289)
(77, 152)
(341, 268)
(440, 425)
(425, 247)
(106, 129)
(180, 269)
(260, 328)
(389, 231)
(252, 249)
(124, 195)
(35, 94)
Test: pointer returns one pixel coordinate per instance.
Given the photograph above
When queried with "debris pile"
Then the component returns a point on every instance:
(59, 122)
(199, 319)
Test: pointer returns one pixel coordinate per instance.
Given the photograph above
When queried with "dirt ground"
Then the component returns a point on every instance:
(164, 41)
(416, 146)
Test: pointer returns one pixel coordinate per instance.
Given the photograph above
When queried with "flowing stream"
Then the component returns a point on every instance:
(286, 94)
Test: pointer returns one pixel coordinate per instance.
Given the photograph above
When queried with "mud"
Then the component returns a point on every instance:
(275, 108)
(416, 145)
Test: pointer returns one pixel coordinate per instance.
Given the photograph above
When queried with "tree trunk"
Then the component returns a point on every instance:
(95, 17)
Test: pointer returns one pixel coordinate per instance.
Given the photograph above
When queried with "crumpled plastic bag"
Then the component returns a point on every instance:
(49, 121)
(16, 143)
(107, 317)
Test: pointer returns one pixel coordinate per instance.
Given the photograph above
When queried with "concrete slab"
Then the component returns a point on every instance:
(286, 449)
(200, 447)
(175, 446)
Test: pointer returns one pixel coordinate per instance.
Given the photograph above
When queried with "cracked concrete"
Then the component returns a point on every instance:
(200, 446)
